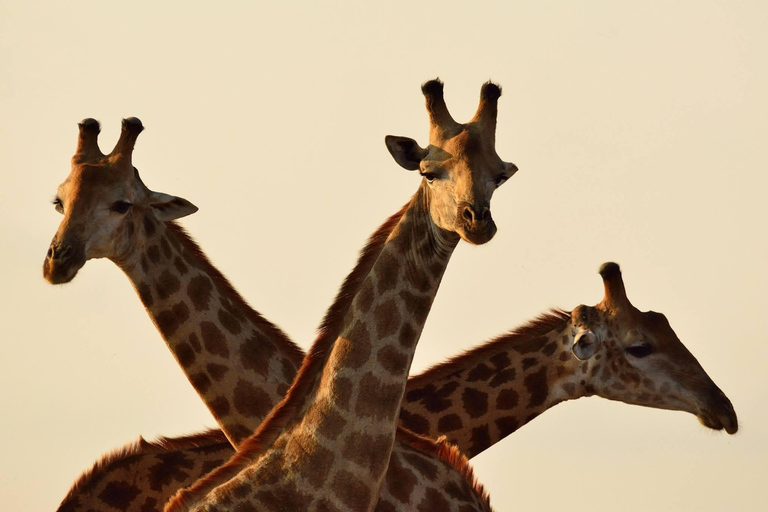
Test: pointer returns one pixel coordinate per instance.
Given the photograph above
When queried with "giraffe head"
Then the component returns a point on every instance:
(635, 357)
(460, 164)
(103, 201)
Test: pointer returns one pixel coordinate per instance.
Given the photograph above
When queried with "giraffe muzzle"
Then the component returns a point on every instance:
(62, 262)
(719, 414)
(475, 223)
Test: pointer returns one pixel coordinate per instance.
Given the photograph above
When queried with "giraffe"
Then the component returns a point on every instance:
(229, 352)
(479, 397)
(611, 350)
(328, 444)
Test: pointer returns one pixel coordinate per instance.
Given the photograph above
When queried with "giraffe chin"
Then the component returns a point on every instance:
(477, 236)
(61, 273)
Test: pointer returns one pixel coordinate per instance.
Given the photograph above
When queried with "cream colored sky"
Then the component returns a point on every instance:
(640, 132)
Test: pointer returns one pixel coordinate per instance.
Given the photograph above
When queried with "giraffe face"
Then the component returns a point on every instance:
(103, 201)
(460, 166)
(636, 357)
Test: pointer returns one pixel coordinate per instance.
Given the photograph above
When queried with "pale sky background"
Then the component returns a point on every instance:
(640, 131)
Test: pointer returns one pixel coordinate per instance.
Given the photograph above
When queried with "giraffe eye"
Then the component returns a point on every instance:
(641, 349)
(58, 205)
(120, 207)
(429, 176)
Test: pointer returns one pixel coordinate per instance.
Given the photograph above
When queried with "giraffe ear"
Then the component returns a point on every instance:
(406, 151)
(585, 344)
(166, 207)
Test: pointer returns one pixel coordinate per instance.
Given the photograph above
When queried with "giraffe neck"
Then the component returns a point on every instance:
(331, 437)
(482, 396)
(238, 362)
(356, 400)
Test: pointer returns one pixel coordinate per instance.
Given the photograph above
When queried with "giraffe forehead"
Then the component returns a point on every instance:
(468, 143)
(97, 181)
(92, 177)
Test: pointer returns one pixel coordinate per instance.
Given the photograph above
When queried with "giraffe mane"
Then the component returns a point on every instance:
(140, 447)
(226, 289)
(449, 453)
(539, 326)
(293, 402)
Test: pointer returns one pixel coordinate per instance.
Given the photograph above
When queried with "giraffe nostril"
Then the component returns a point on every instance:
(468, 214)
(59, 253)
(486, 215)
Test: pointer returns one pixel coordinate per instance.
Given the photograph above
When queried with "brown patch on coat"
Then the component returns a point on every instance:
(181, 267)
(199, 291)
(214, 340)
(393, 361)
(256, 353)
(387, 319)
(216, 371)
(350, 490)
(168, 321)
(229, 322)
(364, 449)
(449, 423)
(374, 397)
(153, 253)
(250, 400)
(167, 284)
(400, 480)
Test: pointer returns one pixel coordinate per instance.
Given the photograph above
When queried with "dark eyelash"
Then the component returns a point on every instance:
(641, 350)
(121, 206)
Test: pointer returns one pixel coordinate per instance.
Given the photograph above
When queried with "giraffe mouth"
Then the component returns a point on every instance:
(724, 419)
(61, 272)
(719, 413)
